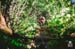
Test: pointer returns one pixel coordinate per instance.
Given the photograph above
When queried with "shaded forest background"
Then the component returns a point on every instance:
(22, 16)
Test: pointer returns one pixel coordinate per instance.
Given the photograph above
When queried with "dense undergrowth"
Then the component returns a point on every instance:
(23, 19)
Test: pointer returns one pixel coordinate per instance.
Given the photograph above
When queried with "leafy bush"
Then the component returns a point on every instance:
(24, 14)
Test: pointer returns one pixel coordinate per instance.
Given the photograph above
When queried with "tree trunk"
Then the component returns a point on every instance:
(3, 25)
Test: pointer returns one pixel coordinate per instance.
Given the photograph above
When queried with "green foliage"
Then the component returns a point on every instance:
(60, 16)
